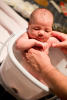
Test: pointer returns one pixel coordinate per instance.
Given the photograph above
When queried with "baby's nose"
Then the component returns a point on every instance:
(41, 33)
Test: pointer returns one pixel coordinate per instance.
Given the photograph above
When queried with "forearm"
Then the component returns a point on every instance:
(57, 82)
(25, 44)
(55, 79)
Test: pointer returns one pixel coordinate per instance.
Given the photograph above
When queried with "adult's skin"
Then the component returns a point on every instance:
(63, 38)
(55, 79)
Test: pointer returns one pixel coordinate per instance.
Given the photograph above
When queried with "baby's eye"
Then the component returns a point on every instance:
(47, 30)
(36, 28)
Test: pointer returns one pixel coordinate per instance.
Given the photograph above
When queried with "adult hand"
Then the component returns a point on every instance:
(63, 38)
(39, 60)
(49, 73)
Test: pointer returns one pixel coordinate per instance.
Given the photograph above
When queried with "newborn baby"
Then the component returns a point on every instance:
(38, 36)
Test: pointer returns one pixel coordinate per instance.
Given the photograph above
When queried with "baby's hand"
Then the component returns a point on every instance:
(52, 40)
(39, 45)
(42, 46)
(49, 43)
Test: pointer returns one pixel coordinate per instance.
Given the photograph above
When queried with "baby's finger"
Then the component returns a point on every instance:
(39, 46)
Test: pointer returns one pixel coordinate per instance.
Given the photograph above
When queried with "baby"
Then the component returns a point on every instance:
(38, 34)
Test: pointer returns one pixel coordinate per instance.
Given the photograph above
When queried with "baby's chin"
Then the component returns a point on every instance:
(42, 40)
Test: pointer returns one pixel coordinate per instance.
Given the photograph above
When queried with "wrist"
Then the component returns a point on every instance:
(34, 41)
(48, 69)
(48, 75)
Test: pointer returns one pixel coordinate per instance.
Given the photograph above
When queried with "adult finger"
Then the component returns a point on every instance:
(59, 35)
(32, 57)
(60, 44)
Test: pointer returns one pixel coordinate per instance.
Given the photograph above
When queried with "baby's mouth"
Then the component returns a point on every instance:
(42, 39)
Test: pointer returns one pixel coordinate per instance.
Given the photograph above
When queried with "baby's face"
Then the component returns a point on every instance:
(40, 29)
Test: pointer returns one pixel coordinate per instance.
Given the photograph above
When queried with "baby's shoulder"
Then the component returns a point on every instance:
(25, 35)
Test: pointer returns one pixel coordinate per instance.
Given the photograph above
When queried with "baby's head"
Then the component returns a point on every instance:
(40, 24)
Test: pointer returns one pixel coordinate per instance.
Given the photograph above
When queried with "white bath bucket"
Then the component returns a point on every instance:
(18, 81)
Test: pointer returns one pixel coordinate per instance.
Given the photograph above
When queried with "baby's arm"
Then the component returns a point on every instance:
(24, 43)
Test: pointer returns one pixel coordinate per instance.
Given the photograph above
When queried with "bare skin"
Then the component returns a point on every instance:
(55, 80)
(63, 38)
(38, 35)
(39, 32)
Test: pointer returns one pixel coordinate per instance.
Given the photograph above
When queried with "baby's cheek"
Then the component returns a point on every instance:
(31, 34)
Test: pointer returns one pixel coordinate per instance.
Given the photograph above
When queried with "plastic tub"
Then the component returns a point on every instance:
(18, 81)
